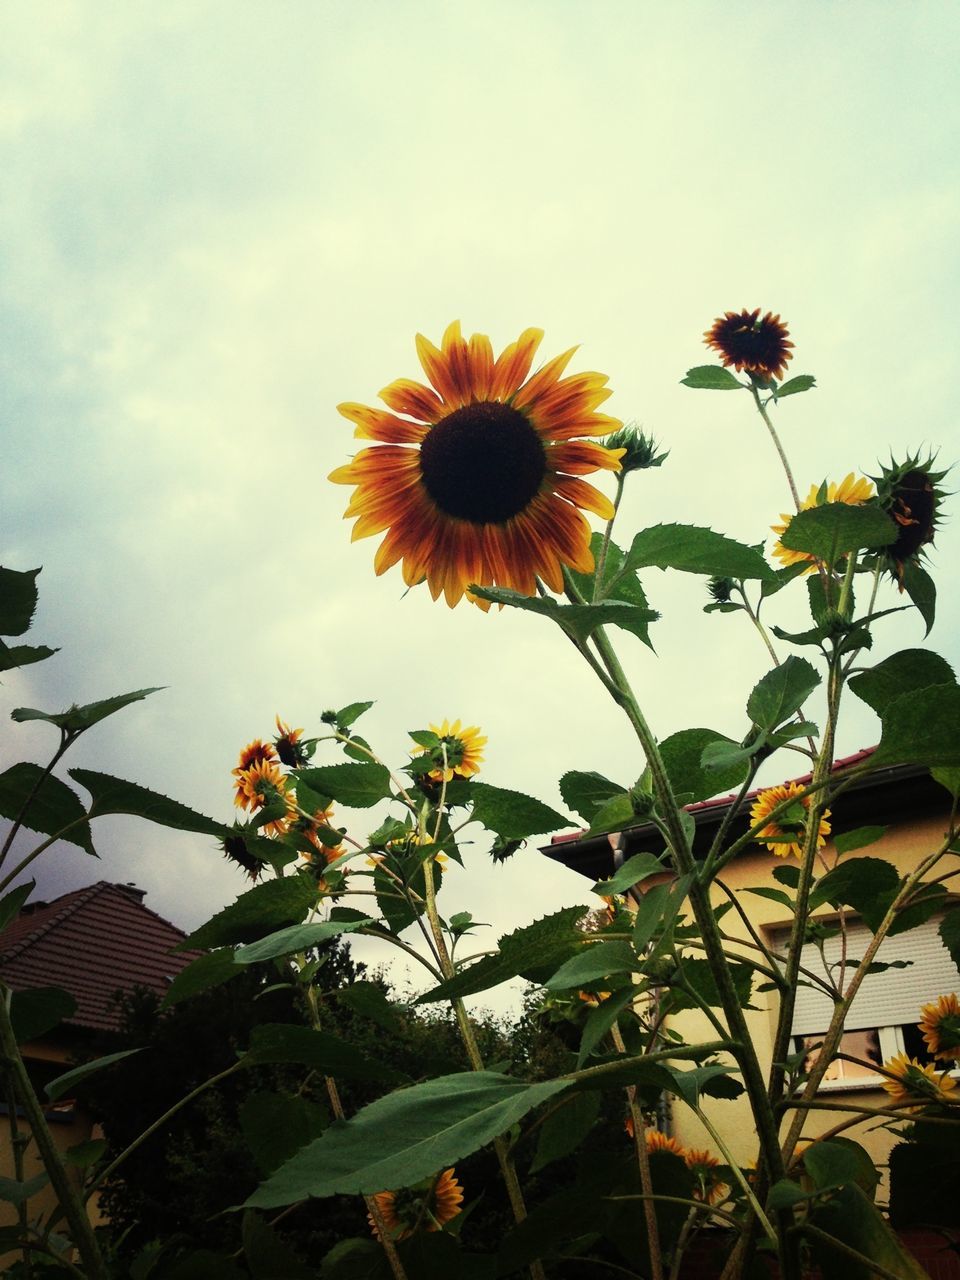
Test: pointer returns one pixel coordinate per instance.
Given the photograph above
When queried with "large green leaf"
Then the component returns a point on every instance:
(832, 530)
(268, 1256)
(922, 590)
(513, 815)
(406, 1136)
(76, 719)
(781, 693)
(18, 600)
(585, 792)
(564, 1130)
(358, 786)
(36, 1010)
(598, 960)
(695, 550)
(329, 1054)
(54, 810)
(578, 620)
(23, 655)
(67, 1082)
(866, 884)
(114, 795)
(711, 377)
(847, 841)
(699, 976)
(369, 1000)
(614, 814)
(255, 914)
(682, 755)
(296, 937)
(901, 673)
(615, 584)
(276, 1125)
(634, 871)
(849, 1217)
(922, 727)
(838, 1162)
(203, 974)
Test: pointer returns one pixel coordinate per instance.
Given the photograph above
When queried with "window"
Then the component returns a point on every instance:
(883, 1019)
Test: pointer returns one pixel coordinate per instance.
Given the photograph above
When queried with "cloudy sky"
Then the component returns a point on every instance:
(218, 220)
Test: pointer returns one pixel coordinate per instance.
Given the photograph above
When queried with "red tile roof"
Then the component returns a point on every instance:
(92, 942)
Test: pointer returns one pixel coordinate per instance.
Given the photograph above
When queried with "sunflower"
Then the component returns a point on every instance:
(909, 493)
(747, 342)
(940, 1024)
(262, 784)
(853, 490)
(255, 752)
(479, 481)
(914, 1082)
(710, 1186)
(428, 1206)
(655, 1140)
(458, 752)
(786, 825)
(288, 745)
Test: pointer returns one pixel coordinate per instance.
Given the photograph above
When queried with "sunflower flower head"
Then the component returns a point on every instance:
(853, 490)
(288, 746)
(914, 1082)
(428, 1206)
(710, 1187)
(940, 1024)
(785, 834)
(655, 1140)
(235, 849)
(456, 753)
(255, 752)
(477, 478)
(909, 493)
(263, 785)
(746, 341)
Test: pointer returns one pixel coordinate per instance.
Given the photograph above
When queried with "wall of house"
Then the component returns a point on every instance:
(904, 847)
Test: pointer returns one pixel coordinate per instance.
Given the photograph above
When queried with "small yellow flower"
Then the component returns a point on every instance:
(940, 1024)
(655, 1140)
(462, 748)
(766, 802)
(425, 1207)
(260, 784)
(710, 1186)
(288, 745)
(914, 1082)
(253, 753)
(852, 490)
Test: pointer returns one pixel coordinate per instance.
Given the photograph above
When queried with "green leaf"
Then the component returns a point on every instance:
(695, 550)
(794, 386)
(77, 719)
(711, 377)
(204, 1264)
(578, 620)
(901, 673)
(682, 755)
(614, 814)
(406, 1136)
(658, 907)
(424, 738)
(355, 1259)
(634, 871)
(598, 960)
(513, 815)
(784, 1194)
(276, 1125)
(584, 792)
(689, 1085)
(788, 875)
(774, 895)
(601, 1019)
(329, 1054)
(53, 809)
(836, 528)
(781, 692)
(950, 934)
(847, 841)
(17, 1193)
(18, 600)
(615, 584)
(564, 1130)
(296, 937)
(14, 900)
(949, 778)
(700, 977)
(782, 578)
(267, 1255)
(70, 1079)
(922, 590)
(36, 1010)
(838, 1161)
(358, 786)
(922, 727)
(203, 974)
(347, 715)
(254, 914)
(370, 1001)
(931, 899)
(848, 1216)
(23, 655)
(114, 795)
(862, 883)
(84, 1154)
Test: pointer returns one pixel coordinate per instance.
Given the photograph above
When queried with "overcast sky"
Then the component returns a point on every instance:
(218, 220)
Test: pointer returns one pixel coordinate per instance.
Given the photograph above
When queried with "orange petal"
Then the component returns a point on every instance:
(578, 457)
(435, 367)
(513, 364)
(414, 399)
(375, 424)
(584, 495)
(481, 366)
(544, 379)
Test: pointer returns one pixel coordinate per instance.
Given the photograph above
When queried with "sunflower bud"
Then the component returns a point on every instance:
(640, 450)
(721, 589)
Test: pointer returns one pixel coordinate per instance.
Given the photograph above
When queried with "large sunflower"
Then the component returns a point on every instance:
(479, 481)
(783, 835)
(853, 490)
(913, 1081)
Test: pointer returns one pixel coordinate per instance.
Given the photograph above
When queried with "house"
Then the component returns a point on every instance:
(915, 811)
(91, 943)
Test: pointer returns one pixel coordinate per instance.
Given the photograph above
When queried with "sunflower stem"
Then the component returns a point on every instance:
(762, 410)
(604, 546)
(643, 1163)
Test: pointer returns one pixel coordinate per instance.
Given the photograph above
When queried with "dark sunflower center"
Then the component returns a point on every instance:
(484, 463)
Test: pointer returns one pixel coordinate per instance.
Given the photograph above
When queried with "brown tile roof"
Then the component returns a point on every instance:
(92, 942)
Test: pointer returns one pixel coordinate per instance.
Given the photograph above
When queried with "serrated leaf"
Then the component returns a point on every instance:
(276, 1125)
(634, 871)
(692, 549)
(614, 814)
(922, 727)
(370, 1001)
(689, 1085)
(866, 884)
(711, 377)
(584, 792)
(598, 960)
(353, 711)
(406, 1136)
(77, 719)
(922, 590)
(10, 904)
(329, 1054)
(18, 600)
(578, 620)
(931, 899)
(836, 528)
(781, 692)
(254, 914)
(564, 1130)
(67, 1082)
(847, 841)
(53, 807)
(36, 1010)
(950, 934)
(615, 584)
(296, 937)
(23, 655)
(794, 386)
(782, 578)
(115, 795)
(356, 785)
(512, 814)
(203, 974)
(901, 673)
(682, 755)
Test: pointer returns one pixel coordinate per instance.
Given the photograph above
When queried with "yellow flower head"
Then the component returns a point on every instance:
(940, 1024)
(914, 1082)
(262, 783)
(255, 752)
(774, 832)
(426, 1207)
(289, 747)
(655, 1140)
(480, 480)
(710, 1186)
(853, 490)
(458, 754)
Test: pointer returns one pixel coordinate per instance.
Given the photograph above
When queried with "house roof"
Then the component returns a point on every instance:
(895, 793)
(92, 942)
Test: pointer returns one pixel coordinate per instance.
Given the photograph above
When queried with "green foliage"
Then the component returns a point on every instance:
(11, 903)
(255, 914)
(633, 872)
(794, 386)
(922, 727)
(866, 884)
(18, 600)
(950, 934)
(578, 620)
(43, 803)
(586, 792)
(76, 719)
(565, 1128)
(692, 549)
(37, 1010)
(711, 377)
(848, 841)
(513, 815)
(358, 785)
(305, 1046)
(296, 937)
(68, 1082)
(902, 673)
(598, 960)
(781, 693)
(837, 528)
(207, 971)
(922, 591)
(691, 779)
